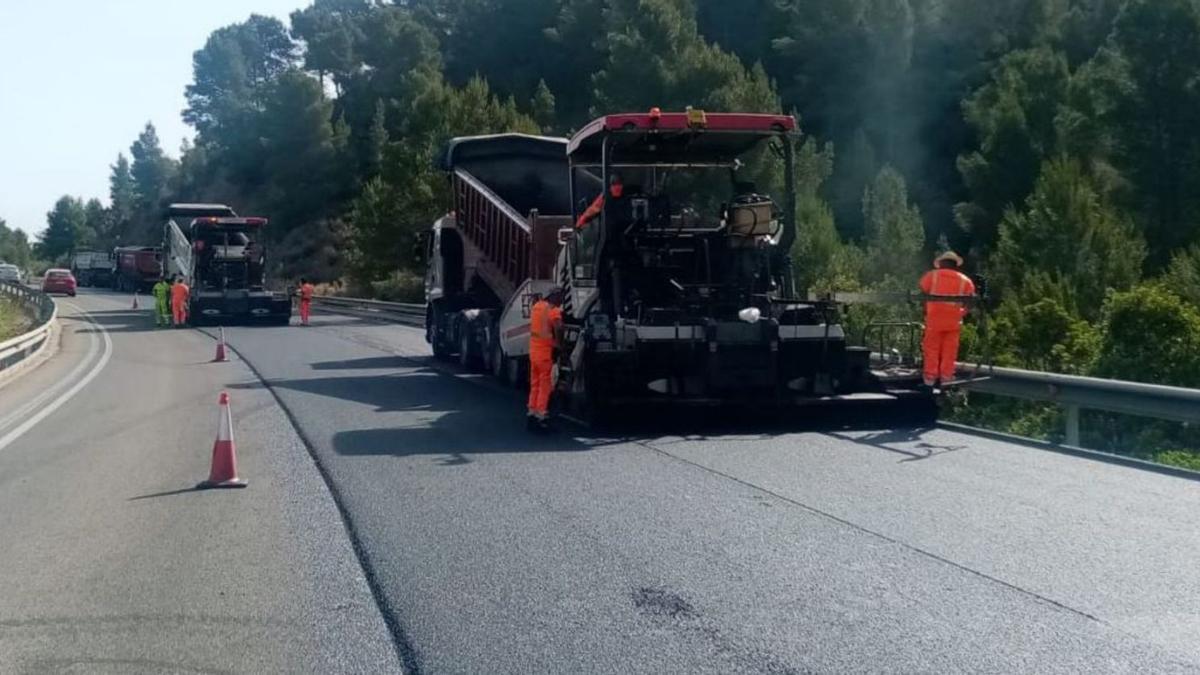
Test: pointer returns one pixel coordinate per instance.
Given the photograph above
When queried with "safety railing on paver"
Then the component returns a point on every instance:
(400, 312)
(1075, 393)
(43, 310)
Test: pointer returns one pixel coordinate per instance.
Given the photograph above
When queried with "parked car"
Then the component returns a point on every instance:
(10, 273)
(59, 281)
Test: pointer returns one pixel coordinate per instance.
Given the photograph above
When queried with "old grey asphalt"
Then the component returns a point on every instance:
(110, 563)
(886, 550)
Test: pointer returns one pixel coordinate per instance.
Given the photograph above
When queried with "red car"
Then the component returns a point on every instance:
(59, 281)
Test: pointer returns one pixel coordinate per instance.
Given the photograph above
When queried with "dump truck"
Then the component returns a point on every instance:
(494, 253)
(92, 268)
(679, 291)
(222, 258)
(136, 268)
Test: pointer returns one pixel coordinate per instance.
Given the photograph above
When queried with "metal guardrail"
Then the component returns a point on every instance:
(44, 311)
(1075, 393)
(400, 312)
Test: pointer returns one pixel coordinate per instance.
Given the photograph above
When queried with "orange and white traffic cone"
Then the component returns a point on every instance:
(135, 300)
(221, 357)
(224, 456)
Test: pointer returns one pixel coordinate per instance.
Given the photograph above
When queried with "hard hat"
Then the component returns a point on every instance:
(951, 256)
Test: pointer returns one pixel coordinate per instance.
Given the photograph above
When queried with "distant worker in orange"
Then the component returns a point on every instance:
(179, 301)
(545, 322)
(615, 188)
(305, 292)
(943, 320)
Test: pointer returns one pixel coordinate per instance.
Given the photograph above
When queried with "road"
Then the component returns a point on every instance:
(489, 550)
(788, 551)
(112, 564)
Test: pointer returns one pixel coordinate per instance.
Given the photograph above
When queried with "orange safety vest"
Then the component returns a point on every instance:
(306, 293)
(543, 319)
(944, 281)
(179, 293)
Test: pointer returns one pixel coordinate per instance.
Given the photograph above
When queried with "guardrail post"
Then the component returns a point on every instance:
(1073, 425)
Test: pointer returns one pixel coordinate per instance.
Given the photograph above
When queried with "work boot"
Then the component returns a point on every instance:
(532, 423)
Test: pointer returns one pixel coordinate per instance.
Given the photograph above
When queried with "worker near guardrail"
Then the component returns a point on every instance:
(179, 301)
(943, 320)
(615, 188)
(545, 322)
(162, 303)
(305, 292)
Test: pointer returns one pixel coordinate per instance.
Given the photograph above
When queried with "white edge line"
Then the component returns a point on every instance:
(56, 387)
(67, 395)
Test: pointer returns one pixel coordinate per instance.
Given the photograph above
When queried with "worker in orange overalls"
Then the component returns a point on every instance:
(615, 188)
(545, 321)
(305, 292)
(179, 301)
(943, 320)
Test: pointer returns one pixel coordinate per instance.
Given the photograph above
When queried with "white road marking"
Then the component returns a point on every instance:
(57, 403)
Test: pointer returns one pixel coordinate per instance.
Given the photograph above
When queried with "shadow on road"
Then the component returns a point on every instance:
(424, 412)
(168, 493)
(392, 362)
(918, 449)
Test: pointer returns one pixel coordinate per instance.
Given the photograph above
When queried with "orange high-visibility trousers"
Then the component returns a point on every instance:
(179, 312)
(941, 353)
(305, 311)
(540, 384)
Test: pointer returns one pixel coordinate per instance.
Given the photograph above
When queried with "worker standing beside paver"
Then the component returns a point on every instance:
(179, 301)
(943, 320)
(162, 303)
(305, 292)
(545, 320)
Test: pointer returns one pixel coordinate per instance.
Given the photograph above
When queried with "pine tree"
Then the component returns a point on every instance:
(65, 229)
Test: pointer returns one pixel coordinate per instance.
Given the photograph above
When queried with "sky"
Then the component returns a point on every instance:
(80, 78)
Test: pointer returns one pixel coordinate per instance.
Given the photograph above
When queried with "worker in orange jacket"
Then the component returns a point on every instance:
(943, 320)
(545, 321)
(305, 292)
(179, 301)
(615, 188)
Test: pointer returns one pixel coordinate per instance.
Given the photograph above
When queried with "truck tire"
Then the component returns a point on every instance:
(465, 358)
(497, 361)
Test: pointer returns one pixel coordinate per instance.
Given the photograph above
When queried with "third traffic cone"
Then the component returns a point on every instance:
(135, 301)
(224, 455)
(220, 357)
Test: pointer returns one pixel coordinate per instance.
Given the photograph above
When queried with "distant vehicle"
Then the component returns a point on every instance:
(137, 268)
(222, 258)
(10, 273)
(93, 268)
(59, 281)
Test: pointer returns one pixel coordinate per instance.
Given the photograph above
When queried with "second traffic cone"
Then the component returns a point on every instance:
(221, 357)
(135, 300)
(224, 456)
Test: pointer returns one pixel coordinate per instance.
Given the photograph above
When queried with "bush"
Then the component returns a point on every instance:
(398, 287)
(1150, 335)
(1180, 458)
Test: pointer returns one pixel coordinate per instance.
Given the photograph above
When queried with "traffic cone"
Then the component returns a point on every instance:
(135, 301)
(221, 358)
(224, 456)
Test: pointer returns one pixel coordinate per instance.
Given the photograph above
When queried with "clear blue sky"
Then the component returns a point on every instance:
(79, 79)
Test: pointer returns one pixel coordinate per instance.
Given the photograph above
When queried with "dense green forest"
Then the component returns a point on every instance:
(1056, 143)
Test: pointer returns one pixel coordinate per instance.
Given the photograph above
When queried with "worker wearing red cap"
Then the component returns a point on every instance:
(179, 301)
(943, 320)
(615, 188)
(545, 321)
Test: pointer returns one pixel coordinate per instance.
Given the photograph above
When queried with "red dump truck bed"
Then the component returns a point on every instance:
(496, 249)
